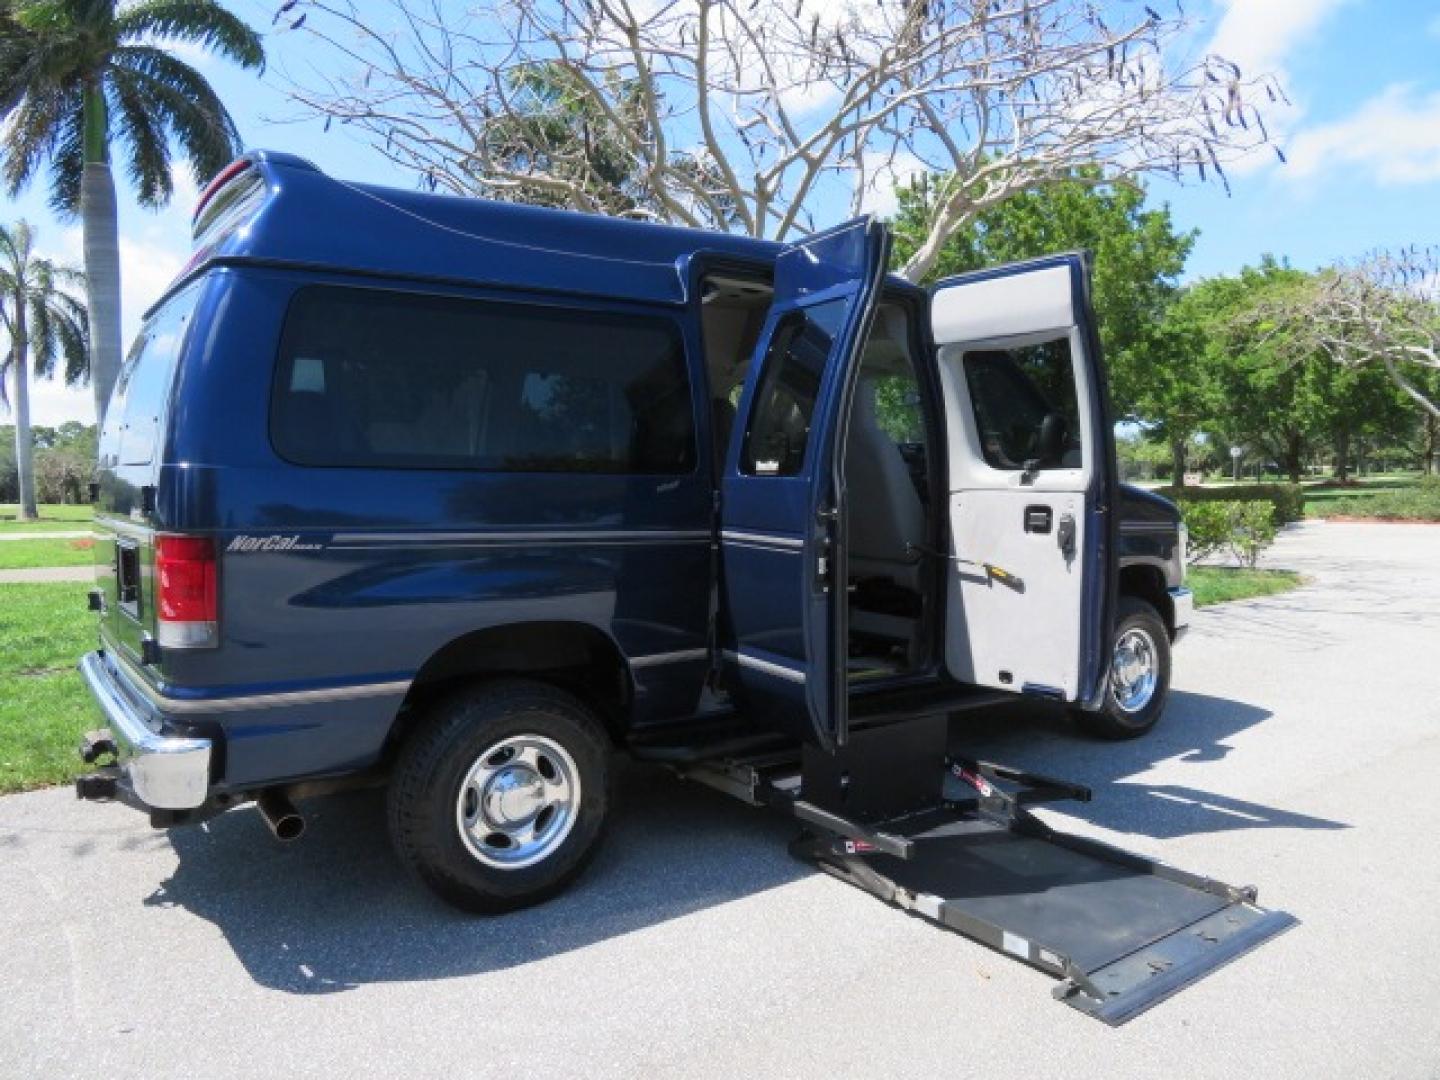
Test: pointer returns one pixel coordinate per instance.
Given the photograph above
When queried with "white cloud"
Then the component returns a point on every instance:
(146, 269)
(149, 261)
(880, 195)
(52, 403)
(1394, 136)
(1261, 35)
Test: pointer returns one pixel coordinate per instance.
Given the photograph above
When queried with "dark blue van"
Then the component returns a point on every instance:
(461, 496)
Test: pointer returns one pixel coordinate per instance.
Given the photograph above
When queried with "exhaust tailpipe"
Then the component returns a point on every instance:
(281, 817)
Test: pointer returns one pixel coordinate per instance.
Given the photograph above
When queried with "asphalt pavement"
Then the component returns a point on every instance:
(1301, 753)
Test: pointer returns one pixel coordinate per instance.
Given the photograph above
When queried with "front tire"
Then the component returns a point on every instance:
(499, 801)
(1139, 682)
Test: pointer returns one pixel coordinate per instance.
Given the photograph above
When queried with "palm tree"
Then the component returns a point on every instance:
(38, 316)
(78, 77)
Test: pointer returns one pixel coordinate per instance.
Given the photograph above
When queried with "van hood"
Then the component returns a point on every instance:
(1140, 506)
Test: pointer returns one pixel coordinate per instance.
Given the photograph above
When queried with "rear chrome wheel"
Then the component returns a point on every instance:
(518, 802)
(498, 801)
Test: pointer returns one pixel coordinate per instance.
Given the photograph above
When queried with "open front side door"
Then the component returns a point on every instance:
(1032, 479)
(782, 494)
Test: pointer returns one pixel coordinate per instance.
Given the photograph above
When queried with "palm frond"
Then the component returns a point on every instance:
(30, 135)
(186, 105)
(57, 322)
(68, 277)
(139, 129)
(203, 22)
(40, 97)
(73, 338)
(10, 254)
(67, 162)
(42, 330)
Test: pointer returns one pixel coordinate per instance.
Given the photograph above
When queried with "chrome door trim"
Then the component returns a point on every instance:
(656, 659)
(767, 667)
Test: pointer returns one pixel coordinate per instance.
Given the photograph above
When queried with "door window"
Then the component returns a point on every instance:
(1026, 405)
(779, 430)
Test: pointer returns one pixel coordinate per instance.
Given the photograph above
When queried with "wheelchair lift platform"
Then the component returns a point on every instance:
(952, 840)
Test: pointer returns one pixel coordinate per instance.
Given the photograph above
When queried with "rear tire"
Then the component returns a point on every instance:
(1139, 682)
(500, 799)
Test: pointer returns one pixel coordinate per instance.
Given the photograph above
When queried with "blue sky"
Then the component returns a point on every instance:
(1362, 136)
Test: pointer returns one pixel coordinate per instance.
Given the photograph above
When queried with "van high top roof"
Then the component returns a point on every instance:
(280, 209)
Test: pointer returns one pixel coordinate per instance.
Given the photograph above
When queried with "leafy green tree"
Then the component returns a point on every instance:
(1280, 392)
(60, 475)
(82, 78)
(1349, 403)
(1275, 394)
(1423, 439)
(9, 478)
(1175, 389)
(1138, 259)
(1139, 456)
(81, 439)
(40, 319)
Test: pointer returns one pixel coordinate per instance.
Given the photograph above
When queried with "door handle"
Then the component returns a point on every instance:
(1065, 535)
(1038, 519)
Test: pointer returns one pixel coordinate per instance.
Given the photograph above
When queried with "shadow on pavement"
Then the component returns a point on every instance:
(1042, 738)
(336, 910)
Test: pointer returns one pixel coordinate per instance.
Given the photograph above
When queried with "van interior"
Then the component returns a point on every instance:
(886, 468)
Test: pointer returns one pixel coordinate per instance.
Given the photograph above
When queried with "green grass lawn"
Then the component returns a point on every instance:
(54, 517)
(1317, 495)
(44, 707)
(16, 554)
(1216, 584)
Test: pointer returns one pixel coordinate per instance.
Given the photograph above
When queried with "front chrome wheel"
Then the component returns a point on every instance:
(518, 802)
(1134, 670)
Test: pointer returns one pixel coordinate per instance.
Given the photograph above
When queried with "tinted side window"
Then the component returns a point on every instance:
(135, 416)
(396, 380)
(779, 429)
(1012, 392)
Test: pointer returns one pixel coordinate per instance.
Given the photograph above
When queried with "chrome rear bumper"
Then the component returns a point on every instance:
(164, 772)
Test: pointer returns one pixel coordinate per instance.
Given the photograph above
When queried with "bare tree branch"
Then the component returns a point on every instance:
(743, 114)
(1383, 309)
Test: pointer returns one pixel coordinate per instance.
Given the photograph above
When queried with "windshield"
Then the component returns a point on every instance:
(135, 419)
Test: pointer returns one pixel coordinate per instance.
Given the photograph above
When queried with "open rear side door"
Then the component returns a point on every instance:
(1032, 478)
(782, 492)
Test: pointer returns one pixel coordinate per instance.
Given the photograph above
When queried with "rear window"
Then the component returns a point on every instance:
(135, 417)
(384, 379)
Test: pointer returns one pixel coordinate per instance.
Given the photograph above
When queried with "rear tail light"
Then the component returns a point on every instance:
(220, 179)
(228, 202)
(186, 603)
